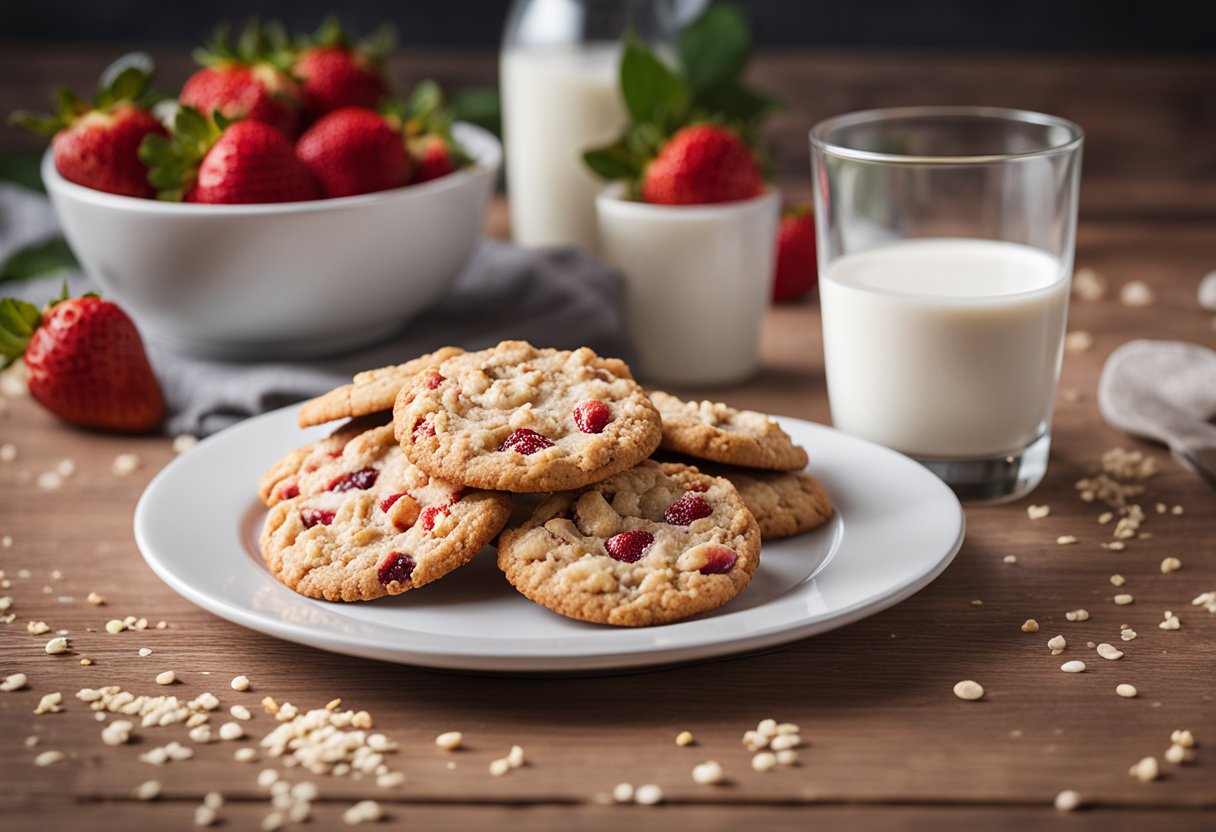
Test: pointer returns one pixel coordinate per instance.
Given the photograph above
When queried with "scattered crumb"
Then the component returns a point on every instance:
(1146, 770)
(1126, 691)
(1169, 565)
(1136, 293)
(1010, 559)
(125, 464)
(1109, 652)
(1068, 801)
(240, 683)
(1073, 666)
(8, 452)
(49, 758)
(1056, 644)
(1078, 341)
(1030, 626)
(1037, 512)
(622, 793)
(1123, 599)
(708, 773)
(57, 645)
(969, 690)
(1127, 634)
(183, 443)
(50, 703)
(648, 795)
(50, 481)
(1183, 737)
(96, 599)
(1117, 580)
(148, 790)
(1207, 291)
(1088, 284)
(684, 738)
(1077, 615)
(14, 682)
(167, 677)
(449, 740)
(1066, 539)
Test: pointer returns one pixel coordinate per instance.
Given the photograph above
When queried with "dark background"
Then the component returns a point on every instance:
(1177, 26)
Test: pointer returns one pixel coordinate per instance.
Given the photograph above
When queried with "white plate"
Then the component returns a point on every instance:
(897, 527)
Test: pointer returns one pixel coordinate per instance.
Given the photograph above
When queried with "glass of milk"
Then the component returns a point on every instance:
(559, 73)
(946, 241)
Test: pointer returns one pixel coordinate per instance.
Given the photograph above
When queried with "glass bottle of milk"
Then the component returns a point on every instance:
(559, 78)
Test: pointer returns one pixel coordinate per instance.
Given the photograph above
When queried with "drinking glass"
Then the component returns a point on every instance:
(945, 238)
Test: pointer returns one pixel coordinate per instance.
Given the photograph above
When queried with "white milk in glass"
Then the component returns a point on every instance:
(557, 102)
(944, 348)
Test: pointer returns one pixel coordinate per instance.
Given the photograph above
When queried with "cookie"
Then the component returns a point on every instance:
(370, 392)
(717, 432)
(654, 544)
(784, 503)
(368, 523)
(517, 418)
(282, 481)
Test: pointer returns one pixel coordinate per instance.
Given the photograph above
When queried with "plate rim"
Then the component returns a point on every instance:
(607, 657)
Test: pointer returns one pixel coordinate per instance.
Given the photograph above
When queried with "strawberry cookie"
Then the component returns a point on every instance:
(719, 433)
(654, 544)
(517, 418)
(371, 391)
(784, 503)
(364, 522)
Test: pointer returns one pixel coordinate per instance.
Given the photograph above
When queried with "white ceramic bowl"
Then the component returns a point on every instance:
(297, 278)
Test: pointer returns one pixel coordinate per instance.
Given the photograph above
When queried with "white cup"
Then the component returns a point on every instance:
(697, 281)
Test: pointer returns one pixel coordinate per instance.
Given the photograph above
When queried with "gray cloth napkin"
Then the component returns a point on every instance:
(561, 298)
(1165, 390)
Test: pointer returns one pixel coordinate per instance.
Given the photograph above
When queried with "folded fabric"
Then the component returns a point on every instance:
(560, 298)
(1165, 390)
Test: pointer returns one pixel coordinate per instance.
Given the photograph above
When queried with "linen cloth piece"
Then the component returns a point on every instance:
(561, 298)
(1165, 390)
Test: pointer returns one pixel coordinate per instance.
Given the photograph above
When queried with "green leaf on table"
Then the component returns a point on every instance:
(47, 257)
(652, 91)
(714, 48)
(22, 168)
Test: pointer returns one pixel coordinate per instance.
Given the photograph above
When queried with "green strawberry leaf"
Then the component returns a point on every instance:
(173, 162)
(715, 47)
(22, 167)
(425, 101)
(132, 60)
(379, 45)
(613, 161)
(18, 320)
(652, 92)
(482, 107)
(46, 257)
(735, 103)
(37, 122)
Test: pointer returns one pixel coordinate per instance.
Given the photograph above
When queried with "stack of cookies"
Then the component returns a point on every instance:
(421, 477)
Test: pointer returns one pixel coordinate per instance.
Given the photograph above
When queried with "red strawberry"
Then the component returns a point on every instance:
(427, 125)
(699, 165)
(333, 74)
(434, 157)
(97, 145)
(238, 162)
(797, 269)
(354, 150)
(246, 81)
(86, 362)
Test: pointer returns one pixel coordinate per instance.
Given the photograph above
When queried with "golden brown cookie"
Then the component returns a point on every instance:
(654, 544)
(367, 523)
(517, 418)
(784, 503)
(370, 392)
(282, 481)
(717, 432)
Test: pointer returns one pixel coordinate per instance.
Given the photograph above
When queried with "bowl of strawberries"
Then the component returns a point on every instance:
(283, 204)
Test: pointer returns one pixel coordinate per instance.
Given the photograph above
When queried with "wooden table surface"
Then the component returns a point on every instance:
(888, 744)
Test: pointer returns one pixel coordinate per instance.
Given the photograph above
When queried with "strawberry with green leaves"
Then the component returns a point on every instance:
(248, 79)
(692, 130)
(213, 160)
(426, 123)
(334, 74)
(86, 362)
(97, 144)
